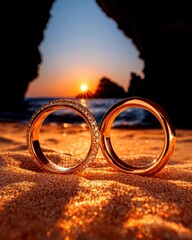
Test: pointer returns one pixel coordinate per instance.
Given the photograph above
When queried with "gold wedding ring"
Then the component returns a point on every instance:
(169, 135)
(100, 136)
(35, 125)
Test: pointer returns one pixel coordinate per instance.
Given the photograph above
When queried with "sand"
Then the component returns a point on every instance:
(100, 202)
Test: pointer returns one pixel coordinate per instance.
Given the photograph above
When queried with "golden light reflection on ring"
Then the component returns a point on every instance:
(142, 144)
(62, 142)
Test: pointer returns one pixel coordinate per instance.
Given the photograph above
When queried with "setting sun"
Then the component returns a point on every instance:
(83, 87)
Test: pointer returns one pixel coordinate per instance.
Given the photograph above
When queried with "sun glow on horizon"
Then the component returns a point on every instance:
(80, 66)
(84, 87)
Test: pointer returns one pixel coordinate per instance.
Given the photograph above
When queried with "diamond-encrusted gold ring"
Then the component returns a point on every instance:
(169, 136)
(35, 124)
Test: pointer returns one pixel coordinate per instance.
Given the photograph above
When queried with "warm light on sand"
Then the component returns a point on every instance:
(40, 205)
(83, 87)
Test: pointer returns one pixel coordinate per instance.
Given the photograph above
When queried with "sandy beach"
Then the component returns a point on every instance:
(99, 203)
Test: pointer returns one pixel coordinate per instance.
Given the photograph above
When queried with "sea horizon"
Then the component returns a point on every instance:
(130, 118)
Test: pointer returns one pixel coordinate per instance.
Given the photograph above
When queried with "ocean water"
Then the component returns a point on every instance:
(132, 117)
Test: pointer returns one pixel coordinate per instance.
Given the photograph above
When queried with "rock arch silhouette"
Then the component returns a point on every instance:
(161, 31)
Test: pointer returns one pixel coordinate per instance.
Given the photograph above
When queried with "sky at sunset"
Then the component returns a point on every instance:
(81, 45)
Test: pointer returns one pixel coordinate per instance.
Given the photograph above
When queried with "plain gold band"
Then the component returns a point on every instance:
(159, 113)
(34, 127)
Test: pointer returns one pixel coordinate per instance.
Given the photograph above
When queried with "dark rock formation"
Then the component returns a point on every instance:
(105, 89)
(22, 32)
(136, 86)
(109, 89)
(162, 32)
